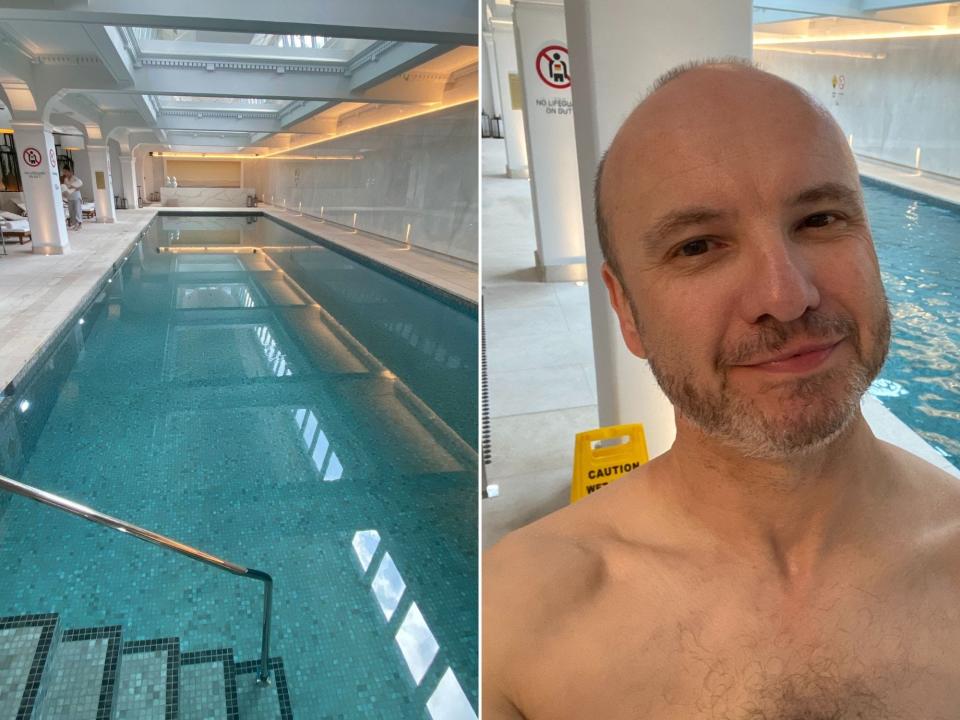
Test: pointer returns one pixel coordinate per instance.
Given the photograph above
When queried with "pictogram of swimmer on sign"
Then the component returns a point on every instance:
(553, 66)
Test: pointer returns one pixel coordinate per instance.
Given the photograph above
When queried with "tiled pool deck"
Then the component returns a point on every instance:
(38, 293)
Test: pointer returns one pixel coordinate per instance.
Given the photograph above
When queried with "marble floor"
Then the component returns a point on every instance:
(38, 293)
(542, 385)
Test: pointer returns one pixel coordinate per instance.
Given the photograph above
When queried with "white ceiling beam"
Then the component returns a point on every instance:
(436, 21)
(822, 8)
(110, 49)
(228, 51)
(876, 5)
(765, 15)
(214, 140)
(216, 121)
(303, 110)
(373, 68)
(195, 79)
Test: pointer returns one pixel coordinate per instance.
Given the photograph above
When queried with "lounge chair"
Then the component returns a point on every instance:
(88, 209)
(15, 226)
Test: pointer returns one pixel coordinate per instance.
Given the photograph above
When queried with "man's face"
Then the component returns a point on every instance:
(749, 278)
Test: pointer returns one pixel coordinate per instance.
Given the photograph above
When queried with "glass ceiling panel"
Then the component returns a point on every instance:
(190, 43)
(194, 102)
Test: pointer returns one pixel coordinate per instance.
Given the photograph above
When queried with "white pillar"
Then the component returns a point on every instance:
(617, 49)
(490, 72)
(548, 121)
(102, 182)
(37, 160)
(505, 49)
(128, 168)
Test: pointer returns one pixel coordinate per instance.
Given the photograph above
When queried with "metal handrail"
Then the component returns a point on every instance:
(87, 513)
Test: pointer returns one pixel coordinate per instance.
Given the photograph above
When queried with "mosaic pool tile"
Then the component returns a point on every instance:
(208, 689)
(25, 643)
(263, 702)
(148, 685)
(271, 470)
(82, 677)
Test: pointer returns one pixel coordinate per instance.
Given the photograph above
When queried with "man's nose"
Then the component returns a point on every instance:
(780, 280)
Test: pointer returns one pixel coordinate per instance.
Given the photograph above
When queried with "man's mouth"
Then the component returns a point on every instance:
(797, 359)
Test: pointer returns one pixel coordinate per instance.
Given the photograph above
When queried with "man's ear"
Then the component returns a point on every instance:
(621, 306)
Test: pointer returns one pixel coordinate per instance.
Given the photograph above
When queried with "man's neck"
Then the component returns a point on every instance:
(789, 514)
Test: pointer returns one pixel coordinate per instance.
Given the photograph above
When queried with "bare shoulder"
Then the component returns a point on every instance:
(536, 583)
(924, 484)
(537, 572)
(556, 564)
(927, 506)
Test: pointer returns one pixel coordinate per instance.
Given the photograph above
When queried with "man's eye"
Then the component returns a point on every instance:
(694, 247)
(820, 220)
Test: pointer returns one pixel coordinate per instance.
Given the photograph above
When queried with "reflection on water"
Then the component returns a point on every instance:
(388, 586)
(448, 701)
(365, 544)
(320, 450)
(915, 244)
(417, 643)
(215, 295)
(272, 352)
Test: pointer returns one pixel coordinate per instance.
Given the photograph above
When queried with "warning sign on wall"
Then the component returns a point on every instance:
(32, 157)
(553, 66)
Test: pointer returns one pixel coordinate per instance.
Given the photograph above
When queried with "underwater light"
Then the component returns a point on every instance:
(24, 405)
(82, 321)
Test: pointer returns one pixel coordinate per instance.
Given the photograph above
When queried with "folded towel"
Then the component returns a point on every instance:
(15, 226)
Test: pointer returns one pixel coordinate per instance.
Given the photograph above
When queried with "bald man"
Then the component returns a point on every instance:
(779, 561)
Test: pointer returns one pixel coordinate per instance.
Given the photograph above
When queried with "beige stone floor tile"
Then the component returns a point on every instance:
(523, 499)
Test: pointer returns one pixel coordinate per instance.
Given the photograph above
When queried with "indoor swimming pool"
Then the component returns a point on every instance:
(290, 409)
(915, 237)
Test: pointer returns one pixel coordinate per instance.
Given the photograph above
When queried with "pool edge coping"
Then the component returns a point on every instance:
(22, 376)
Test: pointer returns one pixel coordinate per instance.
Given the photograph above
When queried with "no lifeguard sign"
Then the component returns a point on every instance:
(32, 157)
(553, 66)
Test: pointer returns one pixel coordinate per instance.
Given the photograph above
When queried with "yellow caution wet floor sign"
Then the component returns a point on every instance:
(602, 455)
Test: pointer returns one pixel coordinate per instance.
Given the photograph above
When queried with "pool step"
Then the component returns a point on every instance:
(90, 673)
(81, 675)
(25, 645)
(149, 684)
(208, 686)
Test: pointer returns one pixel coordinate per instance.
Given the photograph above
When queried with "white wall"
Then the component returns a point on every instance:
(421, 172)
(205, 173)
(892, 104)
(151, 170)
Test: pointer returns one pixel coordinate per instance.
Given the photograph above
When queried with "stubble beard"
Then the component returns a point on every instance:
(812, 411)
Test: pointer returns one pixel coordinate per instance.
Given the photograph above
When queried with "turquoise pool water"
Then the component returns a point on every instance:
(292, 411)
(917, 243)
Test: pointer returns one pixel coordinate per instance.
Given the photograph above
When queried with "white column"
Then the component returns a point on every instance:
(102, 182)
(505, 49)
(37, 160)
(128, 168)
(548, 121)
(617, 49)
(490, 72)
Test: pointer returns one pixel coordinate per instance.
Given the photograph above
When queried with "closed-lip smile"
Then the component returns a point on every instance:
(799, 358)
